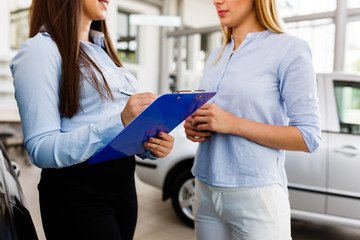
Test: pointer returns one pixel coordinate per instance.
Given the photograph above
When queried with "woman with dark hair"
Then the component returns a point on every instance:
(66, 77)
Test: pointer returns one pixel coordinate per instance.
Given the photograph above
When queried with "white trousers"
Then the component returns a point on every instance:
(256, 213)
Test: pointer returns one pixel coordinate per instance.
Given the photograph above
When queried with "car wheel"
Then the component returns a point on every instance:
(183, 192)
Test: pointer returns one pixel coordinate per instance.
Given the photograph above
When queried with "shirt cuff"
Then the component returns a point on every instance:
(147, 155)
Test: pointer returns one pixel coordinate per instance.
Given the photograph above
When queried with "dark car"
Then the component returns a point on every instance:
(15, 219)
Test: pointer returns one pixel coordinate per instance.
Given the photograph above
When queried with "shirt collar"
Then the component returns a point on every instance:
(248, 38)
(96, 36)
(258, 34)
(252, 35)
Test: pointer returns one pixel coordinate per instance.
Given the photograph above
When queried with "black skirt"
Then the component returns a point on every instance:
(89, 201)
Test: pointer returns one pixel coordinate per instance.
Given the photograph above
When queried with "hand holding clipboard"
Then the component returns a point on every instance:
(163, 115)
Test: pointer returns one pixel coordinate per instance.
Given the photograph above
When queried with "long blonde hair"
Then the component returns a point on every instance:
(267, 15)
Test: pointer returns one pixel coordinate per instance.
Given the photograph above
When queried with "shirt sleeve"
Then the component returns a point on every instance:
(36, 71)
(147, 155)
(299, 92)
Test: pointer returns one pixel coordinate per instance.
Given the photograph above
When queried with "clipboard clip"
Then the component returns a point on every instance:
(189, 91)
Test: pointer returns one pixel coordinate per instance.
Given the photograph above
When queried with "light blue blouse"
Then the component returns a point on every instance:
(51, 139)
(269, 79)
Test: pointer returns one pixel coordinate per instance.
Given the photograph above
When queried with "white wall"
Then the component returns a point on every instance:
(5, 27)
(199, 13)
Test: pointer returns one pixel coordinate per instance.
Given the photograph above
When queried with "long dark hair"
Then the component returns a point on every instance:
(61, 19)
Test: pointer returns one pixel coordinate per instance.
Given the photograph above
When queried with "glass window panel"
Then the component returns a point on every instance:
(19, 4)
(352, 52)
(184, 44)
(200, 64)
(289, 8)
(122, 21)
(348, 104)
(175, 53)
(320, 35)
(19, 27)
(353, 4)
(127, 42)
(133, 45)
(122, 45)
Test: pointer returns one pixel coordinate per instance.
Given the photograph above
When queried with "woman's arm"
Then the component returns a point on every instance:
(211, 118)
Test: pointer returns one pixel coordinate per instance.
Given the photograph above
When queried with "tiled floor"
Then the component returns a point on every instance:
(157, 221)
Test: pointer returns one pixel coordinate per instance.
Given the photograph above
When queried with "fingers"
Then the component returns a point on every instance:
(197, 126)
(192, 132)
(188, 124)
(204, 117)
(206, 106)
(204, 109)
(200, 120)
(196, 133)
(161, 146)
(195, 139)
(143, 99)
(145, 95)
(136, 104)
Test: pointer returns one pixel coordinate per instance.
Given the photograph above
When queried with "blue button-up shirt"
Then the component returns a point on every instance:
(268, 79)
(51, 139)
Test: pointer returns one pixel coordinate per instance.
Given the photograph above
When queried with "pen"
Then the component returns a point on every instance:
(127, 93)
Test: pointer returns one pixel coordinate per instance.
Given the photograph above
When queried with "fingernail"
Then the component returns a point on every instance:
(160, 134)
(145, 144)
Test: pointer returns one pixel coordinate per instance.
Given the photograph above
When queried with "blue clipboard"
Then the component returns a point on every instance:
(164, 114)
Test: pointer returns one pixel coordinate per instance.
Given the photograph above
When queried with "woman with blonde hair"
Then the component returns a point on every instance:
(266, 103)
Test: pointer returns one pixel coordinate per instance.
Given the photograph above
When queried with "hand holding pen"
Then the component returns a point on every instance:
(136, 104)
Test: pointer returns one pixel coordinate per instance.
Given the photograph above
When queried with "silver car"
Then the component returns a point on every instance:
(324, 186)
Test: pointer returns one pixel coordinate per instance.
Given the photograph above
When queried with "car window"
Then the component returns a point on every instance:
(348, 106)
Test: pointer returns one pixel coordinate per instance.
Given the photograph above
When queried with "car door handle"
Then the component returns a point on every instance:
(347, 150)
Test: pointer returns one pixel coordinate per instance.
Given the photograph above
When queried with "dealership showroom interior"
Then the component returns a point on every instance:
(165, 45)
